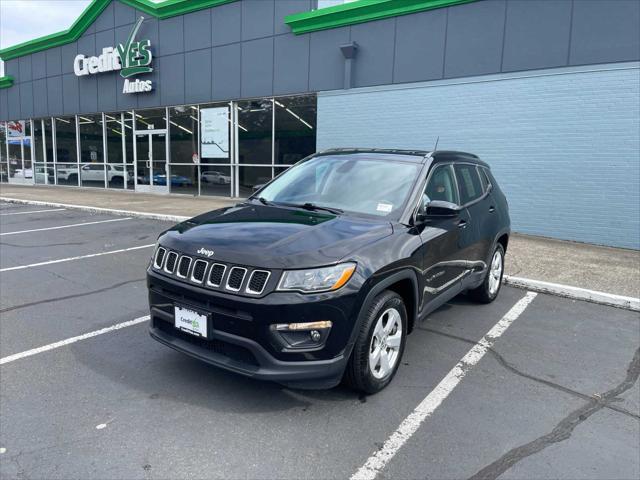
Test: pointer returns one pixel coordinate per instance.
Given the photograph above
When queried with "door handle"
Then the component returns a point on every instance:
(462, 224)
(492, 209)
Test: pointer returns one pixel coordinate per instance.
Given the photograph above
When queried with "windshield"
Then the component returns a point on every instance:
(350, 183)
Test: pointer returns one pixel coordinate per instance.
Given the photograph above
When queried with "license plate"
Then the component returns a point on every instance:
(190, 321)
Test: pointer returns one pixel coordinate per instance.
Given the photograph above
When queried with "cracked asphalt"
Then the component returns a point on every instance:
(556, 397)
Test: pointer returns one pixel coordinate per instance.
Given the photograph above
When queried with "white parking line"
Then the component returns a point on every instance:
(69, 259)
(69, 341)
(431, 402)
(66, 226)
(33, 211)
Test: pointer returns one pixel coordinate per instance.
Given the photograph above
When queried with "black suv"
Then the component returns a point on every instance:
(321, 274)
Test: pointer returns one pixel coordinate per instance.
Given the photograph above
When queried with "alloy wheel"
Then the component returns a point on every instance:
(385, 344)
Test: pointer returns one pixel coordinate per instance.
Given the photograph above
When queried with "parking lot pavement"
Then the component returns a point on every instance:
(119, 405)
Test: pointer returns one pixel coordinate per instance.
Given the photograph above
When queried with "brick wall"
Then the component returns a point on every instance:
(564, 143)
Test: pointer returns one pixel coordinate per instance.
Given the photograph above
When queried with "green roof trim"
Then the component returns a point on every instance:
(361, 11)
(166, 9)
(6, 81)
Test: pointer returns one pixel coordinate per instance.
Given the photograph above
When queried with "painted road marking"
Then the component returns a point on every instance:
(69, 259)
(432, 401)
(66, 226)
(69, 341)
(33, 211)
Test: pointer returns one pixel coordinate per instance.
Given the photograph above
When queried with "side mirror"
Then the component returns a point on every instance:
(440, 208)
(437, 209)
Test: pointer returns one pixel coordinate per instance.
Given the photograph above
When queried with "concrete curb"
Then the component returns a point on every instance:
(87, 208)
(576, 293)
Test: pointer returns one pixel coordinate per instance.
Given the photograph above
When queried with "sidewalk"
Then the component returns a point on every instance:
(604, 269)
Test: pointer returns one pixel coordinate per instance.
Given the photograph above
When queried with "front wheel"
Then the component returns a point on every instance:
(490, 286)
(380, 344)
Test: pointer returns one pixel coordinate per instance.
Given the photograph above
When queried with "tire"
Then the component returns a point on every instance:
(488, 290)
(73, 178)
(365, 373)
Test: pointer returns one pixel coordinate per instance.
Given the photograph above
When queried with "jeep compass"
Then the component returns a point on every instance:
(322, 273)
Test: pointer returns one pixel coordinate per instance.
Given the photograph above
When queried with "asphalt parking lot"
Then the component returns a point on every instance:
(557, 395)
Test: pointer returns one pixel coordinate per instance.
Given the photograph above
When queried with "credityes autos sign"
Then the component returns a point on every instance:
(132, 58)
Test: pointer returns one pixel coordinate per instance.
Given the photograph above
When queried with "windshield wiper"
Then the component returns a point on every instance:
(313, 206)
(263, 201)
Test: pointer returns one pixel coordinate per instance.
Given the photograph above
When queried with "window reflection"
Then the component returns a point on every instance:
(254, 131)
(295, 135)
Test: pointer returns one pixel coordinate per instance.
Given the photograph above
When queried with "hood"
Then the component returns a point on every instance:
(274, 237)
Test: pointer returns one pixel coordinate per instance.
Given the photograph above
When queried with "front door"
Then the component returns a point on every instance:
(151, 161)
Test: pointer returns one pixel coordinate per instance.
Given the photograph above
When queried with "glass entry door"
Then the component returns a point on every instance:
(151, 161)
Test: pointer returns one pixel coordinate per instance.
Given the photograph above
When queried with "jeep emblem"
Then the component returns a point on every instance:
(205, 252)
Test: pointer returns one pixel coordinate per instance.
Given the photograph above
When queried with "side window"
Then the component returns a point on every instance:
(468, 182)
(441, 186)
(483, 179)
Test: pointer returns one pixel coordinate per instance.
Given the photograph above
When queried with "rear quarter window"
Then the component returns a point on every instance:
(469, 183)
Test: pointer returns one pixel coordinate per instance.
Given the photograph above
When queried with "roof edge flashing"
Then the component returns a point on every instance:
(361, 11)
(167, 9)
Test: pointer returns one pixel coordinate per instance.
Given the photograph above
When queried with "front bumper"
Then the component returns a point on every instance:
(241, 336)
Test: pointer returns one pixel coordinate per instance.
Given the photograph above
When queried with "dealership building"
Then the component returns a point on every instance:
(213, 97)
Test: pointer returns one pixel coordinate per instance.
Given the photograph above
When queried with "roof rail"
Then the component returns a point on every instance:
(374, 150)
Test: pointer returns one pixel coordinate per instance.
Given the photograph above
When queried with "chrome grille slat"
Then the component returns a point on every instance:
(256, 284)
(183, 272)
(199, 270)
(217, 269)
(170, 263)
(158, 260)
(235, 279)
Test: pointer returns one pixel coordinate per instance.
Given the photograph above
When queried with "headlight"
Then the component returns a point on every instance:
(317, 279)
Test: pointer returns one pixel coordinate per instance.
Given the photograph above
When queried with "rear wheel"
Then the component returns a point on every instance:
(490, 287)
(380, 344)
(73, 178)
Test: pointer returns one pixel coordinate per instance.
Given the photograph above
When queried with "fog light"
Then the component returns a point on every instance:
(324, 324)
(315, 335)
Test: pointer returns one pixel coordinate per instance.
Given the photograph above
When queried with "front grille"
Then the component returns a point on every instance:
(257, 281)
(199, 269)
(230, 350)
(159, 258)
(216, 274)
(170, 266)
(236, 276)
(183, 266)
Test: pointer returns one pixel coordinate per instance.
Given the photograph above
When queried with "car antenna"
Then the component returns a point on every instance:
(436, 145)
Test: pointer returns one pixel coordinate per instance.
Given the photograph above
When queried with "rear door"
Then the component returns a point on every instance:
(476, 237)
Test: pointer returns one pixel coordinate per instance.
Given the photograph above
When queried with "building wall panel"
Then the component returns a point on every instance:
(564, 146)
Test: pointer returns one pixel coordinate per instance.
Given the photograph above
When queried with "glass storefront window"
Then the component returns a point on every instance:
(183, 179)
(183, 131)
(295, 133)
(38, 152)
(114, 135)
(66, 153)
(215, 180)
(255, 122)
(128, 147)
(4, 169)
(249, 177)
(153, 119)
(48, 140)
(91, 147)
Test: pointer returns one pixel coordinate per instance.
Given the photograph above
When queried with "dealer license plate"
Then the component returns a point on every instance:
(190, 321)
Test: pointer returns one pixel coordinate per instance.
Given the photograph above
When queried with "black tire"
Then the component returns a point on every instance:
(358, 375)
(73, 178)
(483, 294)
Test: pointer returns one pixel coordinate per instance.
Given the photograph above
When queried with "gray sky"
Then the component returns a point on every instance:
(22, 20)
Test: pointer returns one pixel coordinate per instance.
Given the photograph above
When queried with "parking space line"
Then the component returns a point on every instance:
(69, 259)
(69, 341)
(432, 401)
(66, 226)
(33, 211)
